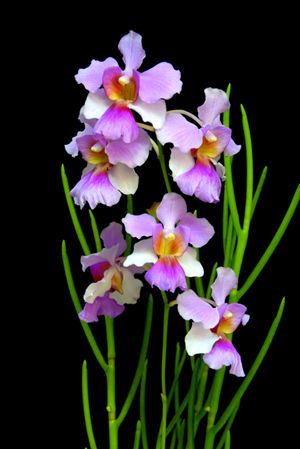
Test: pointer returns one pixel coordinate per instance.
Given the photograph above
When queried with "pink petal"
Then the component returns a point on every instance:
(180, 163)
(112, 235)
(216, 102)
(224, 353)
(72, 147)
(201, 230)
(154, 113)
(232, 317)
(225, 282)
(101, 306)
(139, 225)
(191, 307)
(166, 274)
(232, 148)
(180, 132)
(162, 81)
(171, 210)
(91, 77)
(118, 123)
(223, 136)
(95, 188)
(106, 255)
(131, 48)
(131, 154)
(199, 340)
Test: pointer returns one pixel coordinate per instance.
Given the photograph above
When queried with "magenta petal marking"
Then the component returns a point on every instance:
(224, 353)
(132, 154)
(118, 123)
(101, 306)
(166, 274)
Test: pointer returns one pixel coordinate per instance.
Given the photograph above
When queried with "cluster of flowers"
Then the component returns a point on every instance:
(113, 143)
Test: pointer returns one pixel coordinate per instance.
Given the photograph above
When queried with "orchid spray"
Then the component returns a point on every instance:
(124, 117)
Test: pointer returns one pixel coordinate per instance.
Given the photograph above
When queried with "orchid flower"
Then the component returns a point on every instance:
(194, 158)
(114, 284)
(110, 166)
(127, 90)
(211, 324)
(167, 248)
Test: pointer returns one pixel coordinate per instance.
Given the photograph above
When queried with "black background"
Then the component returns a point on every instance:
(211, 47)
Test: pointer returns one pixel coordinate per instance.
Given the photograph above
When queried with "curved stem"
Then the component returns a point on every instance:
(95, 231)
(147, 127)
(128, 236)
(137, 436)
(86, 407)
(188, 114)
(163, 167)
(259, 189)
(163, 372)
(111, 384)
(143, 407)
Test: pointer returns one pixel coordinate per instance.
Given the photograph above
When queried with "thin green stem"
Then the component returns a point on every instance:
(198, 280)
(227, 440)
(177, 415)
(228, 242)
(78, 308)
(137, 436)
(248, 379)
(163, 167)
(188, 114)
(231, 195)
(95, 232)
(73, 213)
(191, 408)
(211, 280)
(173, 440)
(143, 407)
(182, 433)
(128, 236)
(272, 246)
(141, 362)
(86, 406)
(215, 399)
(225, 217)
(163, 372)
(111, 384)
(175, 383)
(201, 390)
(228, 427)
(259, 189)
(176, 386)
(226, 115)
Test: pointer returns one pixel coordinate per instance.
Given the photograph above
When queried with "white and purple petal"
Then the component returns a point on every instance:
(72, 147)
(112, 235)
(232, 148)
(154, 113)
(199, 340)
(161, 81)
(91, 76)
(180, 162)
(105, 255)
(166, 274)
(133, 53)
(224, 353)
(96, 104)
(225, 282)
(139, 225)
(131, 288)
(118, 123)
(143, 253)
(216, 102)
(171, 209)
(191, 307)
(99, 288)
(124, 179)
(180, 132)
(201, 230)
(101, 306)
(132, 154)
(191, 266)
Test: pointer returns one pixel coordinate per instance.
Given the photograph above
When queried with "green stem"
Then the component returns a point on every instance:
(176, 386)
(95, 232)
(128, 236)
(211, 280)
(272, 246)
(177, 415)
(141, 362)
(137, 436)
(259, 189)
(228, 242)
(73, 213)
(225, 217)
(78, 308)
(215, 398)
(228, 427)
(182, 431)
(173, 440)
(143, 407)
(248, 379)
(111, 384)
(201, 390)
(191, 408)
(227, 440)
(198, 280)
(163, 371)
(163, 167)
(86, 407)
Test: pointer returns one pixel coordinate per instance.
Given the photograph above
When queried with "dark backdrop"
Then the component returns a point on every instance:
(211, 47)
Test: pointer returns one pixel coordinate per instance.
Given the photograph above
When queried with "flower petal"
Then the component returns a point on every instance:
(106, 255)
(201, 230)
(161, 81)
(224, 353)
(180, 163)
(221, 136)
(139, 225)
(124, 179)
(225, 282)
(91, 76)
(180, 132)
(72, 147)
(142, 254)
(191, 307)
(199, 340)
(166, 274)
(101, 306)
(216, 102)
(171, 210)
(112, 235)
(96, 104)
(131, 48)
(95, 188)
(131, 154)
(232, 148)
(99, 288)
(131, 288)
(154, 113)
(191, 266)
(118, 123)
(170, 244)
(232, 317)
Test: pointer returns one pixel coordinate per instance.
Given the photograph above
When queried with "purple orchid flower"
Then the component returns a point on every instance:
(110, 166)
(194, 158)
(167, 248)
(127, 90)
(114, 284)
(211, 324)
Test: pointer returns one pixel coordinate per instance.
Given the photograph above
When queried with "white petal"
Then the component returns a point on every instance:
(154, 113)
(192, 267)
(142, 253)
(180, 162)
(131, 289)
(95, 105)
(124, 179)
(199, 340)
(99, 288)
